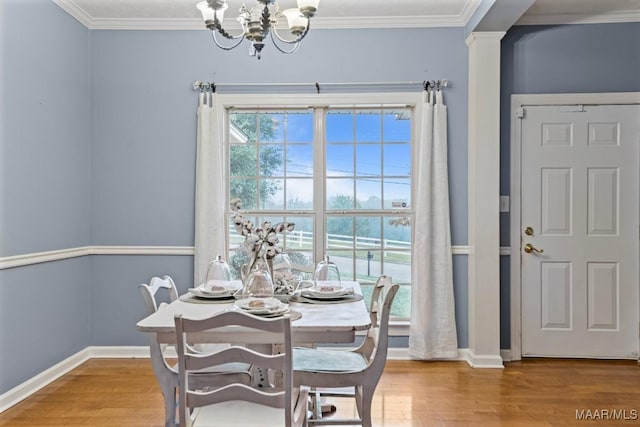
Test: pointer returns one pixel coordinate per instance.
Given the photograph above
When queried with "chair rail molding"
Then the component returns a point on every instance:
(62, 254)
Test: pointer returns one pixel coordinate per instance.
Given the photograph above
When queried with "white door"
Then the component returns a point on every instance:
(579, 208)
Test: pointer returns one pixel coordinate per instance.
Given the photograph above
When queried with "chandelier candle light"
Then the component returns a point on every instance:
(258, 22)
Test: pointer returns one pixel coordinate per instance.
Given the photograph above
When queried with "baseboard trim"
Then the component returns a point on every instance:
(482, 360)
(118, 352)
(46, 377)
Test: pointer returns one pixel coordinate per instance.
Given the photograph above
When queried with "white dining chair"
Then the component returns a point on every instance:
(359, 369)
(166, 371)
(237, 404)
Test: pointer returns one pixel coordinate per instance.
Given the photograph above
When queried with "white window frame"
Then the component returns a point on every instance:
(317, 103)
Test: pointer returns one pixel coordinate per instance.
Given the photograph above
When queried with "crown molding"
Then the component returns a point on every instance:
(363, 22)
(386, 22)
(319, 22)
(76, 11)
(576, 18)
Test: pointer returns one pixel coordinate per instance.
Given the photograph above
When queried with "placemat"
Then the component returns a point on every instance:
(346, 298)
(197, 300)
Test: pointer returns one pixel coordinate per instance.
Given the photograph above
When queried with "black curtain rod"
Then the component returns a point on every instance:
(289, 87)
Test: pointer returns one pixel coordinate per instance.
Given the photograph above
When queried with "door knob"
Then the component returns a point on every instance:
(528, 248)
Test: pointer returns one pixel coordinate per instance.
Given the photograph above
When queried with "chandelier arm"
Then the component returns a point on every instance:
(215, 40)
(296, 40)
(295, 47)
(266, 20)
(218, 27)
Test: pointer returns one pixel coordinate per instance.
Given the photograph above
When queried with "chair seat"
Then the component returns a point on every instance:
(326, 360)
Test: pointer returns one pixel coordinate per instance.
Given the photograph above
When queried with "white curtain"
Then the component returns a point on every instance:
(210, 188)
(433, 328)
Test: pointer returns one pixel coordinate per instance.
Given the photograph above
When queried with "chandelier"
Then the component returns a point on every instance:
(259, 22)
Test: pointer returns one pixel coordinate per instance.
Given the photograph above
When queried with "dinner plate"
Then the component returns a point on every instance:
(326, 292)
(198, 293)
(281, 311)
(215, 289)
(218, 287)
(267, 305)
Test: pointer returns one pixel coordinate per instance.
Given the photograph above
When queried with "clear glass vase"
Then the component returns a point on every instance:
(258, 282)
(218, 272)
(327, 271)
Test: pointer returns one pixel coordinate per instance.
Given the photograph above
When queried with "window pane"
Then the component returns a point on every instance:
(344, 261)
(271, 127)
(397, 193)
(368, 265)
(368, 126)
(397, 159)
(301, 239)
(271, 160)
(340, 194)
(299, 245)
(243, 160)
(369, 193)
(368, 233)
(273, 189)
(397, 232)
(368, 160)
(402, 302)
(300, 160)
(243, 126)
(339, 160)
(339, 126)
(340, 232)
(244, 189)
(299, 194)
(299, 126)
(397, 126)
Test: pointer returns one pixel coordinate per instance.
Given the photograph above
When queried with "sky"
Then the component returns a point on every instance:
(353, 151)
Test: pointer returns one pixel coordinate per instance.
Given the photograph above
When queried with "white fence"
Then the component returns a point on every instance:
(303, 240)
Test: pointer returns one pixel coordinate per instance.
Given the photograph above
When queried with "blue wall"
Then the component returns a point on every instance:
(143, 135)
(46, 135)
(143, 119)
(559, 59)
(45, 144)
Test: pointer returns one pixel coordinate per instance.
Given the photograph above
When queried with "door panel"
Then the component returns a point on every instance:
(579, 194)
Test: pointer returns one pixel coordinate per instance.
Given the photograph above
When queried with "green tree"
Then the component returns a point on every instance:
(252, 159)
(343, 225)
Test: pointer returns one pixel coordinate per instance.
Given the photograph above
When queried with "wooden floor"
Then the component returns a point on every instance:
(123, 392)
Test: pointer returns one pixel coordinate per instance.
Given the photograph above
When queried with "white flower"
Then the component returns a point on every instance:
(259, 240)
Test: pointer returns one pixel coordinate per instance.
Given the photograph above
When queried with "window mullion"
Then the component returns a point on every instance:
(319, 185)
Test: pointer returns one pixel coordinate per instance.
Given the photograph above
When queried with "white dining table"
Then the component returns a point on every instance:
(318, 322)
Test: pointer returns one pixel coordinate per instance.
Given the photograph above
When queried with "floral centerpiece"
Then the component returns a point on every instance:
(284, 281)
(262, 242)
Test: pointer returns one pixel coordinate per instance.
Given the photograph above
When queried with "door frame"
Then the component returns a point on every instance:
(519, 101)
